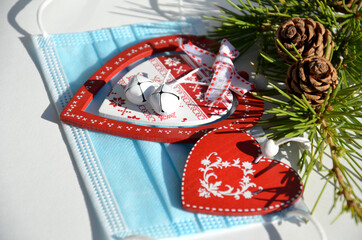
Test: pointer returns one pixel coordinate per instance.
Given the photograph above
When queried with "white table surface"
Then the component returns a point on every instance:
(41, 195)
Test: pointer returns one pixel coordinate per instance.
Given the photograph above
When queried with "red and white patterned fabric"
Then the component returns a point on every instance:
(225, 76)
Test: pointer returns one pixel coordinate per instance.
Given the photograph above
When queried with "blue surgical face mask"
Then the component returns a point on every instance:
(134, 185)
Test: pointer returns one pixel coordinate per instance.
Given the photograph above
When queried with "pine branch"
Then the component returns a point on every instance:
(335, 124)
(353, 203)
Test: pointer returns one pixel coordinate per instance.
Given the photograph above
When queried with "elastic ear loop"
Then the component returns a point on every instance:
(39, 17)
(45, 3)
(181, 9)
(318, 226)
(269, 149)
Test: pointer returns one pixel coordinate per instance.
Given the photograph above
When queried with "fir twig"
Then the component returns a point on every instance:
(335, 125)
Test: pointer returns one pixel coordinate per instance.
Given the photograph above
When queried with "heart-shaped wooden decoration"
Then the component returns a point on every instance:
(220, 177)
(244, 113)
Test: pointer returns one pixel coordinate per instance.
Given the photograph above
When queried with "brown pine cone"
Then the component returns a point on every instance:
(311, 77)
(308, 36)
(338, 5)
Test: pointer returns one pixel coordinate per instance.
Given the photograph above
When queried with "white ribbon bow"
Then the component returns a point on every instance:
(225, 76)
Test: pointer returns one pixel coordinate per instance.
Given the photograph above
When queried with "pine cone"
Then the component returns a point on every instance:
(338, 5)
(308, 36)
(311, 77)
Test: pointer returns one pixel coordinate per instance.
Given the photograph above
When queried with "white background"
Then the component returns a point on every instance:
(41, 195)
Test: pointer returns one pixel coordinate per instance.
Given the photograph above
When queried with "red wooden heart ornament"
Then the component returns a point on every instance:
(246, 111)
(220, 177)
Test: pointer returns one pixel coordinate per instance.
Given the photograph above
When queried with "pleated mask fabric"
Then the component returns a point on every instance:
(134, 185)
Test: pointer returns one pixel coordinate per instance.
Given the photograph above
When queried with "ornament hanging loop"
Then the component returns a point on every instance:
(270, 148)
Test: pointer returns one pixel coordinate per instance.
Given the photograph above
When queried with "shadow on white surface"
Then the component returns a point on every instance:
(50, 114)
(272, 232)
(14, 11)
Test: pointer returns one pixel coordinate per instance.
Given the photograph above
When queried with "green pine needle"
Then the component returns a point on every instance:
(335, 126)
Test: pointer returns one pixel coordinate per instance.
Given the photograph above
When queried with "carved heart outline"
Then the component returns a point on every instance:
(220, 177)
(247, 112)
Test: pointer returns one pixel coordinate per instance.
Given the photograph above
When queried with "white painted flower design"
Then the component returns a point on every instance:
(247, 165)
(205, 162)
(211, 188)
(225, 164)
(204, 193)
(245, 179)
(247, 194)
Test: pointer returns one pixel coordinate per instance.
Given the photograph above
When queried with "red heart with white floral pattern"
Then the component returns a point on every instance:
(220, 177)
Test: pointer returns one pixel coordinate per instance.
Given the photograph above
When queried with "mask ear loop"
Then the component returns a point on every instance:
(269, 149)
(45, 3)
(39, 17)
(181, 10)
(318, 226)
